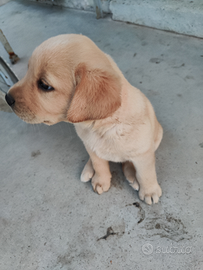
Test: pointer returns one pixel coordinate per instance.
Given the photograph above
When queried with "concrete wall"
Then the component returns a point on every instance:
(180, 16)
(78, 4)
(3, 2)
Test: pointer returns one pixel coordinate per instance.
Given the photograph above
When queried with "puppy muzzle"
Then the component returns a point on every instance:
(10, 100)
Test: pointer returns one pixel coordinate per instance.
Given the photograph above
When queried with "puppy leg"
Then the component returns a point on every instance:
(146, 176)
(129, 172)
(87, 172)
(101, 180)
(159, 137)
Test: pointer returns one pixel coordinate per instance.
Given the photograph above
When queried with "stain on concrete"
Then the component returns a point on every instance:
(141, 211)
(155, 60)
(15, 12)
(201, 145)
(152, 92)
(144, 43)
(188, 77)
(3, 105)
(74, 254)
(142, 214)
(4, 222)
(35, 154)
(179, 95)
(179, 66)
(109, 232)
(134, 54)
(77, 248)
(65, 260)
(116, 180)
(106, 45)
(166, 226)
(157, 226)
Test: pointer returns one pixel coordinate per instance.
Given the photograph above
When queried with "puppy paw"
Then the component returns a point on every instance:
(150, 194)
(133, 182)
(129, 172)
(101, 184)
(87, 172)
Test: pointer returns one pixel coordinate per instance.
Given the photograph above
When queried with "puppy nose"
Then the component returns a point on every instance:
(9, 99)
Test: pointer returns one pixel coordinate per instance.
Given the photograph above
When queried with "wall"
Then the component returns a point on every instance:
(180, 16)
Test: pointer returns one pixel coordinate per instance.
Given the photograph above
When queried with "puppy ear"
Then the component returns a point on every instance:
(97, 95)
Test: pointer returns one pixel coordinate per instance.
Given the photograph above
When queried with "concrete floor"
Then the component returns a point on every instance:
(48, 218)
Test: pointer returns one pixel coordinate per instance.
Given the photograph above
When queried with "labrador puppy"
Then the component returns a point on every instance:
(70, 79)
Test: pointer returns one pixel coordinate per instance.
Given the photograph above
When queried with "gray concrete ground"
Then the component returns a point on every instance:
(48, 218)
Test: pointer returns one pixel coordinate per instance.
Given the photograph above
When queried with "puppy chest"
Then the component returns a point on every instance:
(110, 146)
(110, 150)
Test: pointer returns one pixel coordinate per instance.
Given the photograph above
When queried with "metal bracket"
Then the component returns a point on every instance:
(7, 77)
(13, 57)
(98, 8)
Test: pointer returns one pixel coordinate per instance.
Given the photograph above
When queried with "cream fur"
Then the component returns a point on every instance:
(118, 126)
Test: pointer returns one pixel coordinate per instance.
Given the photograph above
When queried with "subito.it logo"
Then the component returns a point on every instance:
(147, 249)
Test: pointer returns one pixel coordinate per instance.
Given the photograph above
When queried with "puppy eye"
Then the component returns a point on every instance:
(44, 87)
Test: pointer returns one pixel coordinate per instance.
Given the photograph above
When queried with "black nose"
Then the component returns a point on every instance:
(9, 99)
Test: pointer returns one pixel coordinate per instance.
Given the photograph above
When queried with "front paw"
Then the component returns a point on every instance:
(101, 184)
(87, 172)
(150, 193)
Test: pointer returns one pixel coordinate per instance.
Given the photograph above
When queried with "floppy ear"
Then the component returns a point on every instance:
(97, 95)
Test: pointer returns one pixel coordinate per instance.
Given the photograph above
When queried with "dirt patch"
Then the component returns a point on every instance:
(141, 211)
(110, 232)
(35, 154)
(179, 66)
(166, 226)
(155, 60)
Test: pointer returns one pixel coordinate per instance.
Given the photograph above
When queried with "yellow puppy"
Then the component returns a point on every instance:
(70, 79)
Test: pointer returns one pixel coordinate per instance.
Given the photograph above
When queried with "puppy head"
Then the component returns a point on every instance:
(67, 80)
